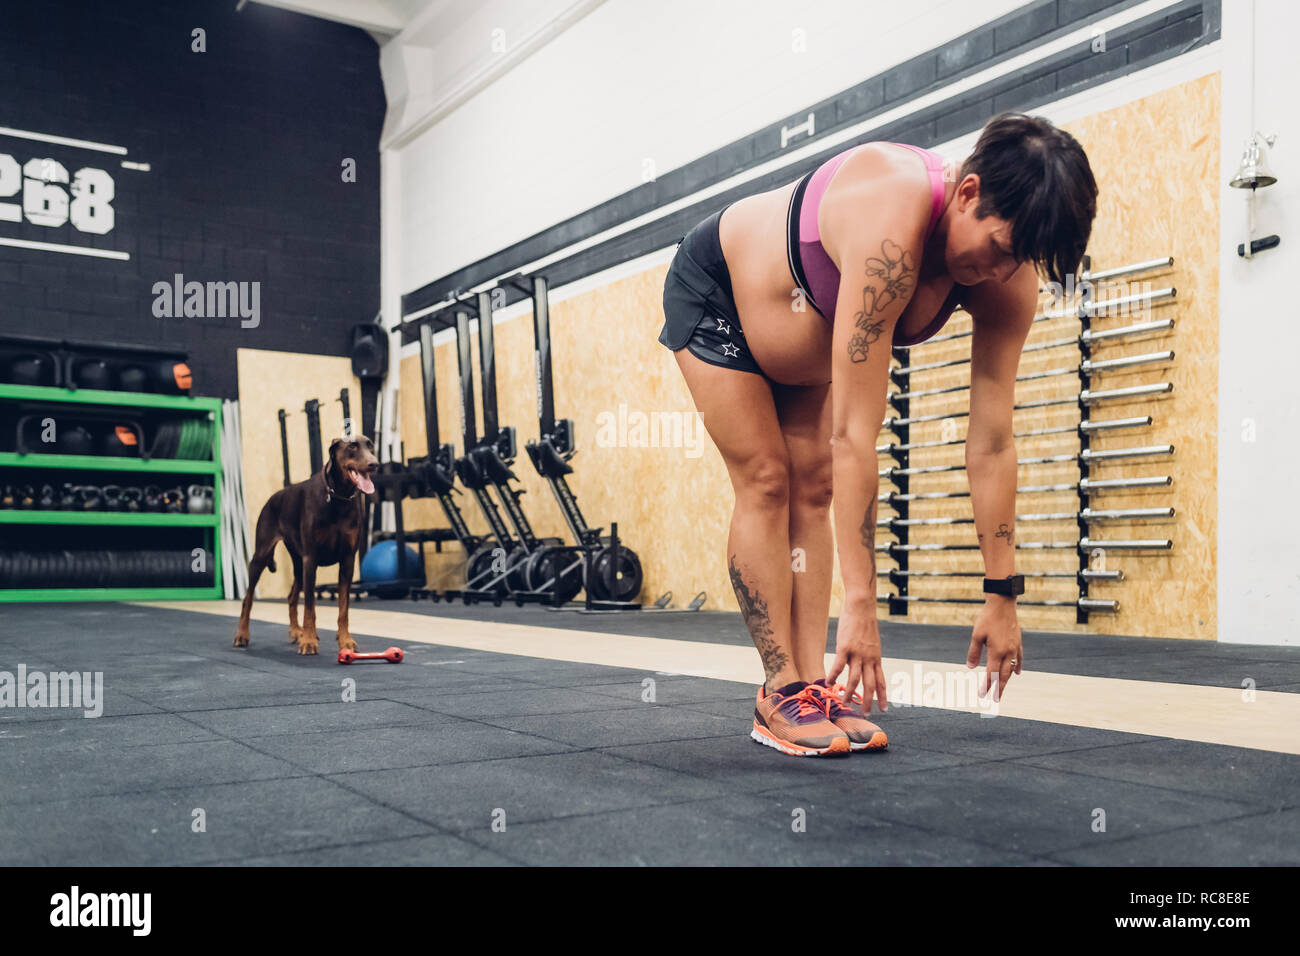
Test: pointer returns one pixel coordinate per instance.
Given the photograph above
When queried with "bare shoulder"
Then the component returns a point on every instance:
(879, 187)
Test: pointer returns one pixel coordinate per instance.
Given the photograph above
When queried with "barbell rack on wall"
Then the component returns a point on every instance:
(1088, 397)
(1086, 367)
(1083, 544)
(1088, 305)
(1119, 514)
(1082, 605)
(1140, 328)
(1088, 486)
(1092, 574)
(1088, 425)
(1087, 455)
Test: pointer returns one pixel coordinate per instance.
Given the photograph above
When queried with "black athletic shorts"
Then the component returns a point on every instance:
(699, 310)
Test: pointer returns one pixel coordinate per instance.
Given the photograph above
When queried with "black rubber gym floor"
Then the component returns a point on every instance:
(260, 747)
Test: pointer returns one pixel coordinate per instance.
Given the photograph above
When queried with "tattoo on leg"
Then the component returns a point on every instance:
(1005, 532)
(892, 277)
(754, 610)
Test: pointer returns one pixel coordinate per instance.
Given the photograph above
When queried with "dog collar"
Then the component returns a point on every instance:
(330, 493)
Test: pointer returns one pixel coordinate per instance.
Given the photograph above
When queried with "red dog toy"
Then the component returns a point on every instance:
(393, 654)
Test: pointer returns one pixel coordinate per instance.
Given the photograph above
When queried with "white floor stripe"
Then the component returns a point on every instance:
(1264, 720)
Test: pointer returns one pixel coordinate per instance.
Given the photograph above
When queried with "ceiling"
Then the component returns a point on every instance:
(381, 18)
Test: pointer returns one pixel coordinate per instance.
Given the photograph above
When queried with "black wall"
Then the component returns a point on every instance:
(245, 144)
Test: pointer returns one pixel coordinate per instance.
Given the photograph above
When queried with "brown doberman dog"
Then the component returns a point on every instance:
(319, 520)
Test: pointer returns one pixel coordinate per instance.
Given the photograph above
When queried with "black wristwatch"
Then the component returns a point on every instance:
(1009, 586)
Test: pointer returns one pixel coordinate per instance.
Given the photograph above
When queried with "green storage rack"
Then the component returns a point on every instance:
(208, 525)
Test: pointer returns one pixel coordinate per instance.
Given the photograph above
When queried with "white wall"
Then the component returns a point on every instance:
(1259, 336)
(574, 124)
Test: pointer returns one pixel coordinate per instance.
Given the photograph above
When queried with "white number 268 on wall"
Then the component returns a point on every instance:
(46, 202)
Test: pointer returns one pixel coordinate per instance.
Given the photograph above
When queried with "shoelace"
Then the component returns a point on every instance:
(831, 697)
(803, 705)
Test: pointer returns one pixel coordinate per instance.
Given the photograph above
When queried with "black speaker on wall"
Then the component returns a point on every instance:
(368, 346)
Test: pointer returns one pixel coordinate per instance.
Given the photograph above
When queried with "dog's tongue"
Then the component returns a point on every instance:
(362, 481)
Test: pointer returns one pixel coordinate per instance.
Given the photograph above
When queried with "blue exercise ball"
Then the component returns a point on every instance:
(379, 566)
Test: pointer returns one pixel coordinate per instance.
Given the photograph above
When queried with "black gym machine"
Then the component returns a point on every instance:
(613, 572)
(543, 571)
(520, 561)
(510, 561)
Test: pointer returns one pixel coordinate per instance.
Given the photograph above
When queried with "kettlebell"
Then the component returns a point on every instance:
(173, 501)
(31, 370)
(91, 500)
(94, 373)
(121, 441)
(7, 496)
(68, 498)
(112, 498)
(152, 498)
(200, 499)
(131, 499)
(171, 377)
(75, 441)
(133, 379)
(25, 497)
(46, 500)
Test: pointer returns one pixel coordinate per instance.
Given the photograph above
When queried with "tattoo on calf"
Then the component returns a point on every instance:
(754, 610)
(891, 277)
(1005, 532)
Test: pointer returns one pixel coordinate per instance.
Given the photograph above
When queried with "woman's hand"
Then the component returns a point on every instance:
(997, 628)
(857, 647)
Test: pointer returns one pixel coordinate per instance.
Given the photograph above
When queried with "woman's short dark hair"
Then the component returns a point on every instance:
(1036, 177)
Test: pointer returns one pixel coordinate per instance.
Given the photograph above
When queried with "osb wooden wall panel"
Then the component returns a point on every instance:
(645, 462)
(643, 459)
(269, 381)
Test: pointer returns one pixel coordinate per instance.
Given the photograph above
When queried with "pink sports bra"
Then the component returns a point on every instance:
(813, 270)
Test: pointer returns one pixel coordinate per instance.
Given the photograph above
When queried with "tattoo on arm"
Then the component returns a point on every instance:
(754, 610)
(890, 278)
(867, 531)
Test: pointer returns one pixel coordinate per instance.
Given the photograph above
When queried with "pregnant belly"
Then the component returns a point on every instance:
(793, 348)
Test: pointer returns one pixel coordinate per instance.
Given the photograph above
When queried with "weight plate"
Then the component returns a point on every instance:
(617, 580)
(561, 567)
(517, 577)
(479, 571)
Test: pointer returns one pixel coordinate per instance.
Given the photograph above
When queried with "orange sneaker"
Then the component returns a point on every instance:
(862, 733)
(793, 720)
